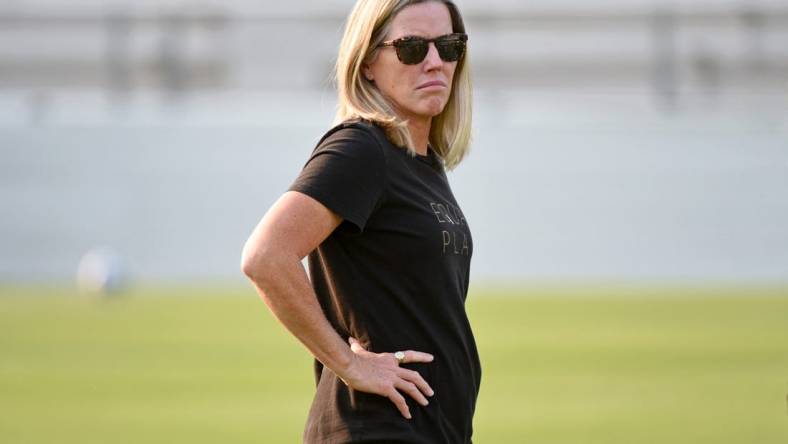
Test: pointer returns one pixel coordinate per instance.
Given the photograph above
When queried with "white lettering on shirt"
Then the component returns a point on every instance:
(455, 240)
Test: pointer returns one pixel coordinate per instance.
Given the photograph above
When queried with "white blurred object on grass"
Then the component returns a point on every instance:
(101, 270)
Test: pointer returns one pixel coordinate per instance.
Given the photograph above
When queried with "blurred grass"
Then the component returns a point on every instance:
(560, 365)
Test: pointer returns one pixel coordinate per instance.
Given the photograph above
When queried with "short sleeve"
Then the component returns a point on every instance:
(345, 173)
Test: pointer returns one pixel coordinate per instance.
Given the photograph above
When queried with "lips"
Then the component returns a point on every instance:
(432, 83)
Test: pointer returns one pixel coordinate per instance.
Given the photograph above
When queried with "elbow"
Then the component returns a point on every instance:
(253, 262)
(261, 263)
(247, 268)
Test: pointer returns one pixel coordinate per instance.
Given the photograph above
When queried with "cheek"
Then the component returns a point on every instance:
(450, 72)
(394, 90)
(401, 84)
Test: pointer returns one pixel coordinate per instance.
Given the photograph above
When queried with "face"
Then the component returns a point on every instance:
(403, 84)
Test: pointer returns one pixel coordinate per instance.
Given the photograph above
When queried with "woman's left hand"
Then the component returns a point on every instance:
(380, 373)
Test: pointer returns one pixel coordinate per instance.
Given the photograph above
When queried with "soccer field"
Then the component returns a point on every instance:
(212, 365)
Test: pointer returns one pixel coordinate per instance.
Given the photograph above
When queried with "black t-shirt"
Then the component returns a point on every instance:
(394, 275)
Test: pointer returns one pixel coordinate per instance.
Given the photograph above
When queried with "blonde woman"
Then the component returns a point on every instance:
(388, 247)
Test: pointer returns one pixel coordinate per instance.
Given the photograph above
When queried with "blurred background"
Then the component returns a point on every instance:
(621, 149)
(614, 140)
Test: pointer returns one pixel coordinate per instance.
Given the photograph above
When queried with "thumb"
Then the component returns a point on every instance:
(354, 344)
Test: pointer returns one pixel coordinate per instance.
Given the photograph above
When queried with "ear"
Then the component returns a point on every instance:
(367, 73)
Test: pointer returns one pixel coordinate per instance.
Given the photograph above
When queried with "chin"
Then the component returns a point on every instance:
(432, 108)
(427, 114)
(425, 109)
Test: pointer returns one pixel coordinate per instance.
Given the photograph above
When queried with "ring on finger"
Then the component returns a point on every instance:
(400, 356)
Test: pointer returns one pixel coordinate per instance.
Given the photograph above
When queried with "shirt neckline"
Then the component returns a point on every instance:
(426, 158)
(430, 159)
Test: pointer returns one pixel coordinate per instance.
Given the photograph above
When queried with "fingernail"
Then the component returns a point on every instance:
(431, 393)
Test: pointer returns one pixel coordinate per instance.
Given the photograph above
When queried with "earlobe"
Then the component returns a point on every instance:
(367, 73)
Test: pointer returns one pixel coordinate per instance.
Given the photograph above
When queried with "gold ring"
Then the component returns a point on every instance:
(400, 356)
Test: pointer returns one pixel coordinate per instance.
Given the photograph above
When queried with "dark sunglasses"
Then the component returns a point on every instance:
(412, 50)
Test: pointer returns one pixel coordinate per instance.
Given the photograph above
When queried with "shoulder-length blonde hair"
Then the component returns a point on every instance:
(367, 27)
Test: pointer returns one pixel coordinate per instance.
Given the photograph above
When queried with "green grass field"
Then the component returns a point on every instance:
(212, 365)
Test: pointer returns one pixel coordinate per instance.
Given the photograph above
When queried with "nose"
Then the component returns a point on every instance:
(433, 59)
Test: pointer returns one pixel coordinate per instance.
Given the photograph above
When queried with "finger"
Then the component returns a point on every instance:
(396, 361)
(412, 390)
(399, 401)
(416, 378)
(417, 356)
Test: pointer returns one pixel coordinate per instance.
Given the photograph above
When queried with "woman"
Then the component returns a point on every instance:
(389, 248)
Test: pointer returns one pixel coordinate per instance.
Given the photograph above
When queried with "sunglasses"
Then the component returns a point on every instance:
(412, 50)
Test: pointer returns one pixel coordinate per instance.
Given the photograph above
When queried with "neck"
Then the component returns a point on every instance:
(420, 133)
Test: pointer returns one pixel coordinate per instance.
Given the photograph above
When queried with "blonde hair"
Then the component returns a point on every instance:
(367, 27)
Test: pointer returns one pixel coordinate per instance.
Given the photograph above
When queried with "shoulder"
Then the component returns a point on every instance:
(354, 136)
(354, 147)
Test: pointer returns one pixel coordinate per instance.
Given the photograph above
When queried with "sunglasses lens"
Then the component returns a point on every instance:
(411, 52)
(450, 50)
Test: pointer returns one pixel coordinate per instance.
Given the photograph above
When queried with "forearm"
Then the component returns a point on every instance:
(284, 287)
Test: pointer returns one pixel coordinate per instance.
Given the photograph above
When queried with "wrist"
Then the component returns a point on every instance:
(345, 366)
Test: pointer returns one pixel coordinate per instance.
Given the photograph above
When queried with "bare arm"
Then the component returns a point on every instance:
(294, 226)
